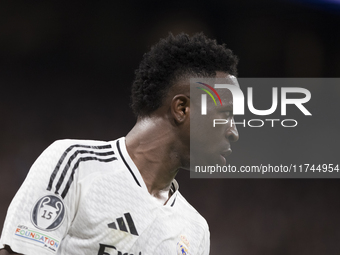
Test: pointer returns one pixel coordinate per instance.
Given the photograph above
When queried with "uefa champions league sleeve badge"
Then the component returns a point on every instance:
(48, 213)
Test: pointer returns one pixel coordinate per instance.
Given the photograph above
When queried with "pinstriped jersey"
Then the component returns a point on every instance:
(88, 197)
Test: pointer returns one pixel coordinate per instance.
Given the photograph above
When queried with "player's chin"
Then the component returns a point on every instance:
(208, 160)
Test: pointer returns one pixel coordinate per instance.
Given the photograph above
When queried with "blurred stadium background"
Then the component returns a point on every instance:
(66, 72)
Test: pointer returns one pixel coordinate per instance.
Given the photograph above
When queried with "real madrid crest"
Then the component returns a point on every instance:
(48, 213)
(183, 246)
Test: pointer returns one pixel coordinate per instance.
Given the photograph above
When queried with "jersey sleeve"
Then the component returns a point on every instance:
(42, 210)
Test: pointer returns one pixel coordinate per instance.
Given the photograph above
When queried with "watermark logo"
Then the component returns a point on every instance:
(281, 126)
(238, 100)
(284, 98)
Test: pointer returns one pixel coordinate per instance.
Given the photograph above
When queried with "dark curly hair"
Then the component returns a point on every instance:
(171, 59)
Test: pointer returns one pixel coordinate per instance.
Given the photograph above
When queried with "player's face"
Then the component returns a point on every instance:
(211, 145)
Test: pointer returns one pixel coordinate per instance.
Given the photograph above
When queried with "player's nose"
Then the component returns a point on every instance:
(232, 133)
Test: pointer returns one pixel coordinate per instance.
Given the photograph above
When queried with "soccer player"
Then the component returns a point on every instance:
(120, 197)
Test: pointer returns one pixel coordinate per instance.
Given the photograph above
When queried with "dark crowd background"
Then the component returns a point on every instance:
(66, 72)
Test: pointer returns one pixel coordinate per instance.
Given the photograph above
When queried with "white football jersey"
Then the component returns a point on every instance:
(88, 197)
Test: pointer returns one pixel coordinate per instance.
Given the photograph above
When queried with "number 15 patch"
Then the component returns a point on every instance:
(48, 213)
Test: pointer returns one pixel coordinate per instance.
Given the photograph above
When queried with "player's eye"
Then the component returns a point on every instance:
(228, 113)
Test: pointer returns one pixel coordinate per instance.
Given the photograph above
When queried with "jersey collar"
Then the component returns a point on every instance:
(121, 147)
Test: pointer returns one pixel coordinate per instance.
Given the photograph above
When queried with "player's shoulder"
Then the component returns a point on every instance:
(69, 161)
(67, 146)
(79, 143)
(190, 212)
(64, 152)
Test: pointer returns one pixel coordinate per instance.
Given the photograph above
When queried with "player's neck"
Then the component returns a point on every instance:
(152, 147)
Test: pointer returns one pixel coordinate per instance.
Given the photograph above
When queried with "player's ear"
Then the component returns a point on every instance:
(180, 108)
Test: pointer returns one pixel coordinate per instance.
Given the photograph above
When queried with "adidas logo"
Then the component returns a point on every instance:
(122, 226)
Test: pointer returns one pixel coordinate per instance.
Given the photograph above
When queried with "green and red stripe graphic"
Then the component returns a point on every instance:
(207, 91)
